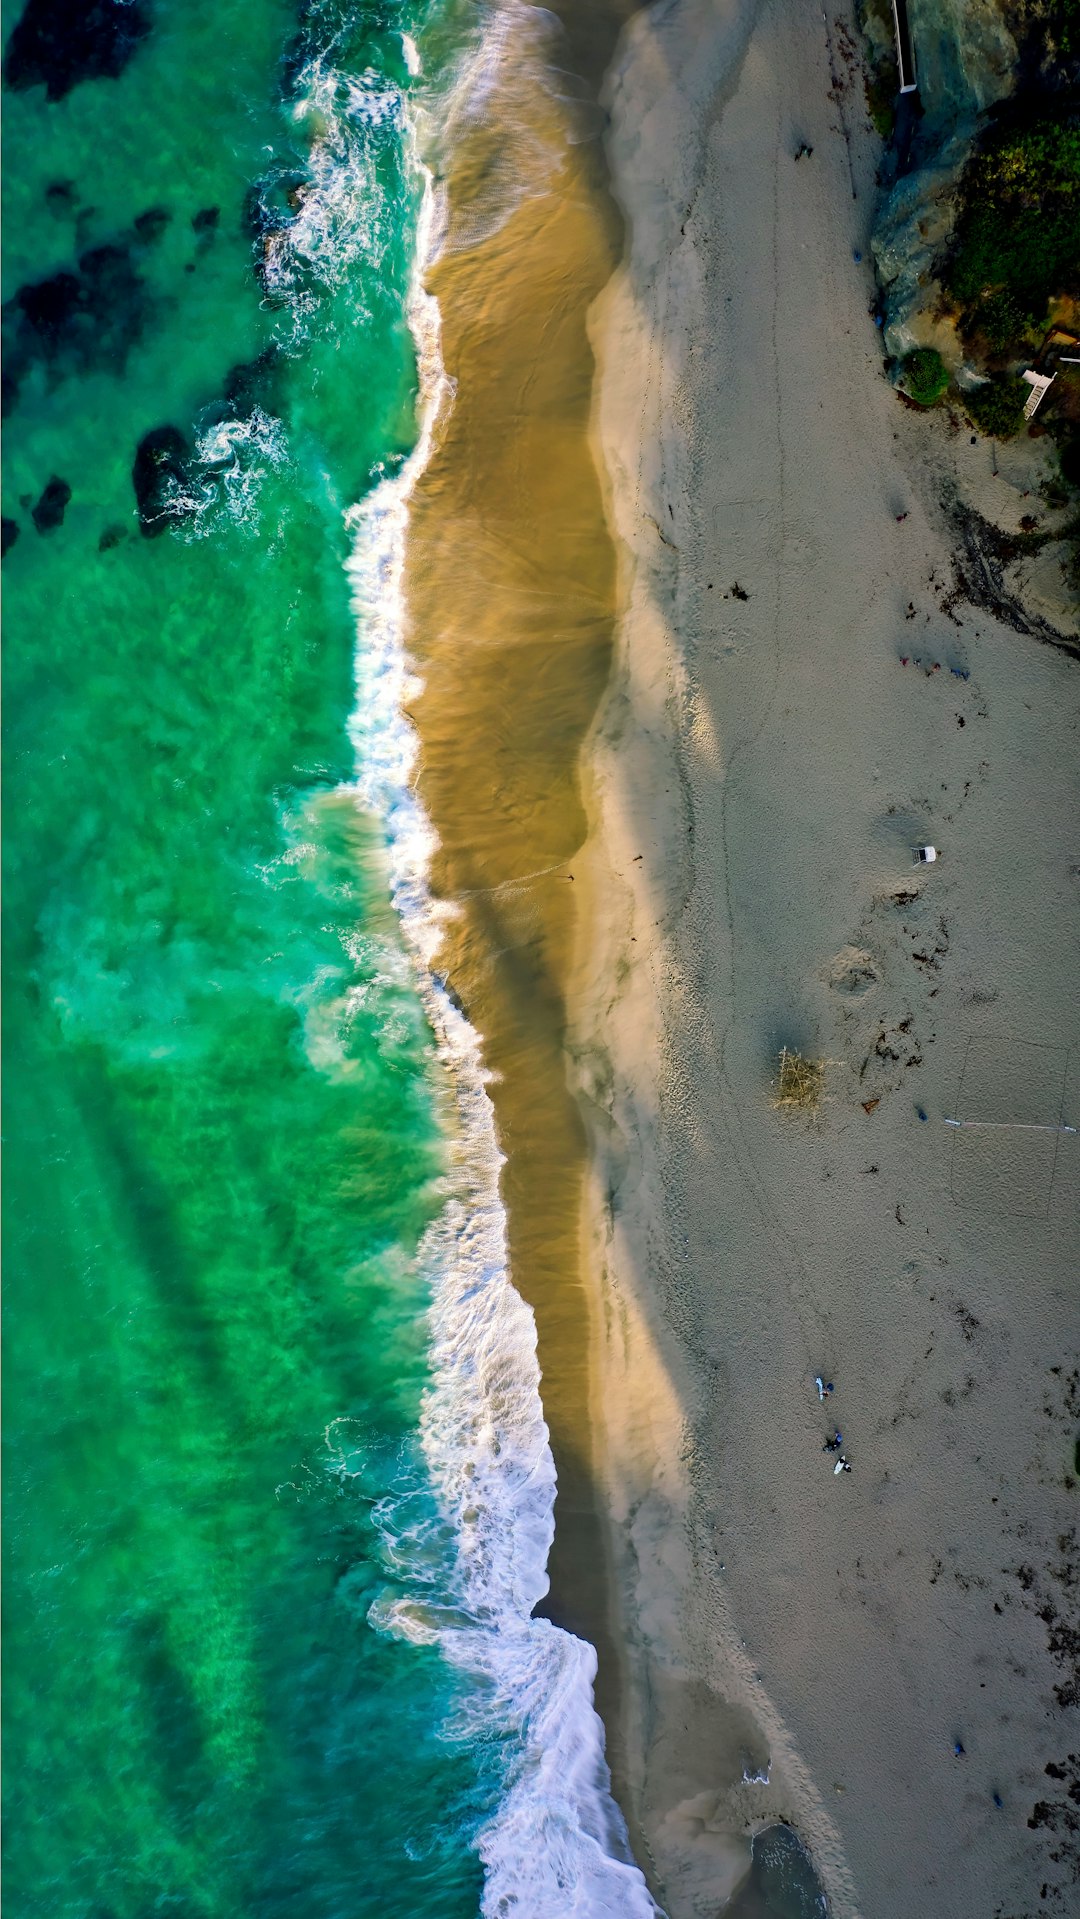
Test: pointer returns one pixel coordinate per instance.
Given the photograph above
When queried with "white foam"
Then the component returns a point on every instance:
(497, 105)
(342, 220)
(234, 458)
(556, 1844)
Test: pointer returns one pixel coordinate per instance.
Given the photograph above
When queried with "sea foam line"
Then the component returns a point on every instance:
(556, 1844)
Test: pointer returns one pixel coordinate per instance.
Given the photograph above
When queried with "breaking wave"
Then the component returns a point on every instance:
(470, 1568)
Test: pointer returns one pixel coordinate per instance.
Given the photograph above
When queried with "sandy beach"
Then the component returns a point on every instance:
(799, 696)
(697, 673)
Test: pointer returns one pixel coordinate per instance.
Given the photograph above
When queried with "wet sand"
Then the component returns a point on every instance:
(511, 593)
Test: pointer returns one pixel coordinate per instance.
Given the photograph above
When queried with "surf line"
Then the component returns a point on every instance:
(556, 1843)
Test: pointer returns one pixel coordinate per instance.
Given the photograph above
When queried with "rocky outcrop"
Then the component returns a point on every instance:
(160, 476)
(966, 61)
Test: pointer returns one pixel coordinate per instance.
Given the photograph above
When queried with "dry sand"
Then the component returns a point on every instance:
(761, 767)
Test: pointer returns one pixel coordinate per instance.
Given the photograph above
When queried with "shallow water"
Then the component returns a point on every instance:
(278, 1487)
(782, 1883)
(222, 1142)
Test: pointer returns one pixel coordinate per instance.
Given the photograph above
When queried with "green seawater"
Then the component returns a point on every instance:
(221, 1140)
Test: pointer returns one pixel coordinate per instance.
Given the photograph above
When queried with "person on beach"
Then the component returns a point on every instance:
(823, 1389)
(834, 1444)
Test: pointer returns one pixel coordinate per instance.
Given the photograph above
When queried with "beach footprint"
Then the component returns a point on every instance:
(853, 972)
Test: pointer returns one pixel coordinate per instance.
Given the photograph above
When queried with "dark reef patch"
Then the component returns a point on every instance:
(50, 509)
(78, 320)
(254, 383)
(171, 481)
(62, 198)
(151, 225)
(57, 43)
(9, 533)
(160, 476)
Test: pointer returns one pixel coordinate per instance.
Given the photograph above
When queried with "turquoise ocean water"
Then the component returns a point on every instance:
(278, 1495)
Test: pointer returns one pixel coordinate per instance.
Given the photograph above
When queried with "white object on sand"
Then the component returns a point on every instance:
(923, 855)
(838, 1468)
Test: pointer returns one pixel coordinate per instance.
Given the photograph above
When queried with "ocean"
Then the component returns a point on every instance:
(279, 1492)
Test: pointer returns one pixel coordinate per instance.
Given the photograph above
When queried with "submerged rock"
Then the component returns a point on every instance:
(111, 537)
(50, 509)
(78, 320)
(9, 533)
(151, 225)
(61, 198)
(160, 478)
(253, 383)
(206, 219)
(57, 43)
(176, 478)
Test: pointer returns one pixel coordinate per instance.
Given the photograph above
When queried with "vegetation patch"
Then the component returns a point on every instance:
(1017, 238)
(997, 408)
(925, 375)
(882, 84)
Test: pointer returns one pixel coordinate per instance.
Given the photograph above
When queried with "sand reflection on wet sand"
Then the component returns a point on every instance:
(511, 592)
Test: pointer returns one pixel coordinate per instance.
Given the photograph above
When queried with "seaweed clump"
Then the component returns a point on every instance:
(800, 1083)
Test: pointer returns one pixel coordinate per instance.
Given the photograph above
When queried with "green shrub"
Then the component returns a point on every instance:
(925, 375)
(997, 408)
(1001, 322)
(882, 86)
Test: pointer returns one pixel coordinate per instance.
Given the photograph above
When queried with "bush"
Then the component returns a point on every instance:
(882, 87)
(925, 375)
(997, 408)
(1001, 322)
(1069, 456)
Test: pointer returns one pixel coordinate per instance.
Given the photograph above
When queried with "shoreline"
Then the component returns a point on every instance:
(762, 762)
(484, 1430)
(509, 575)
